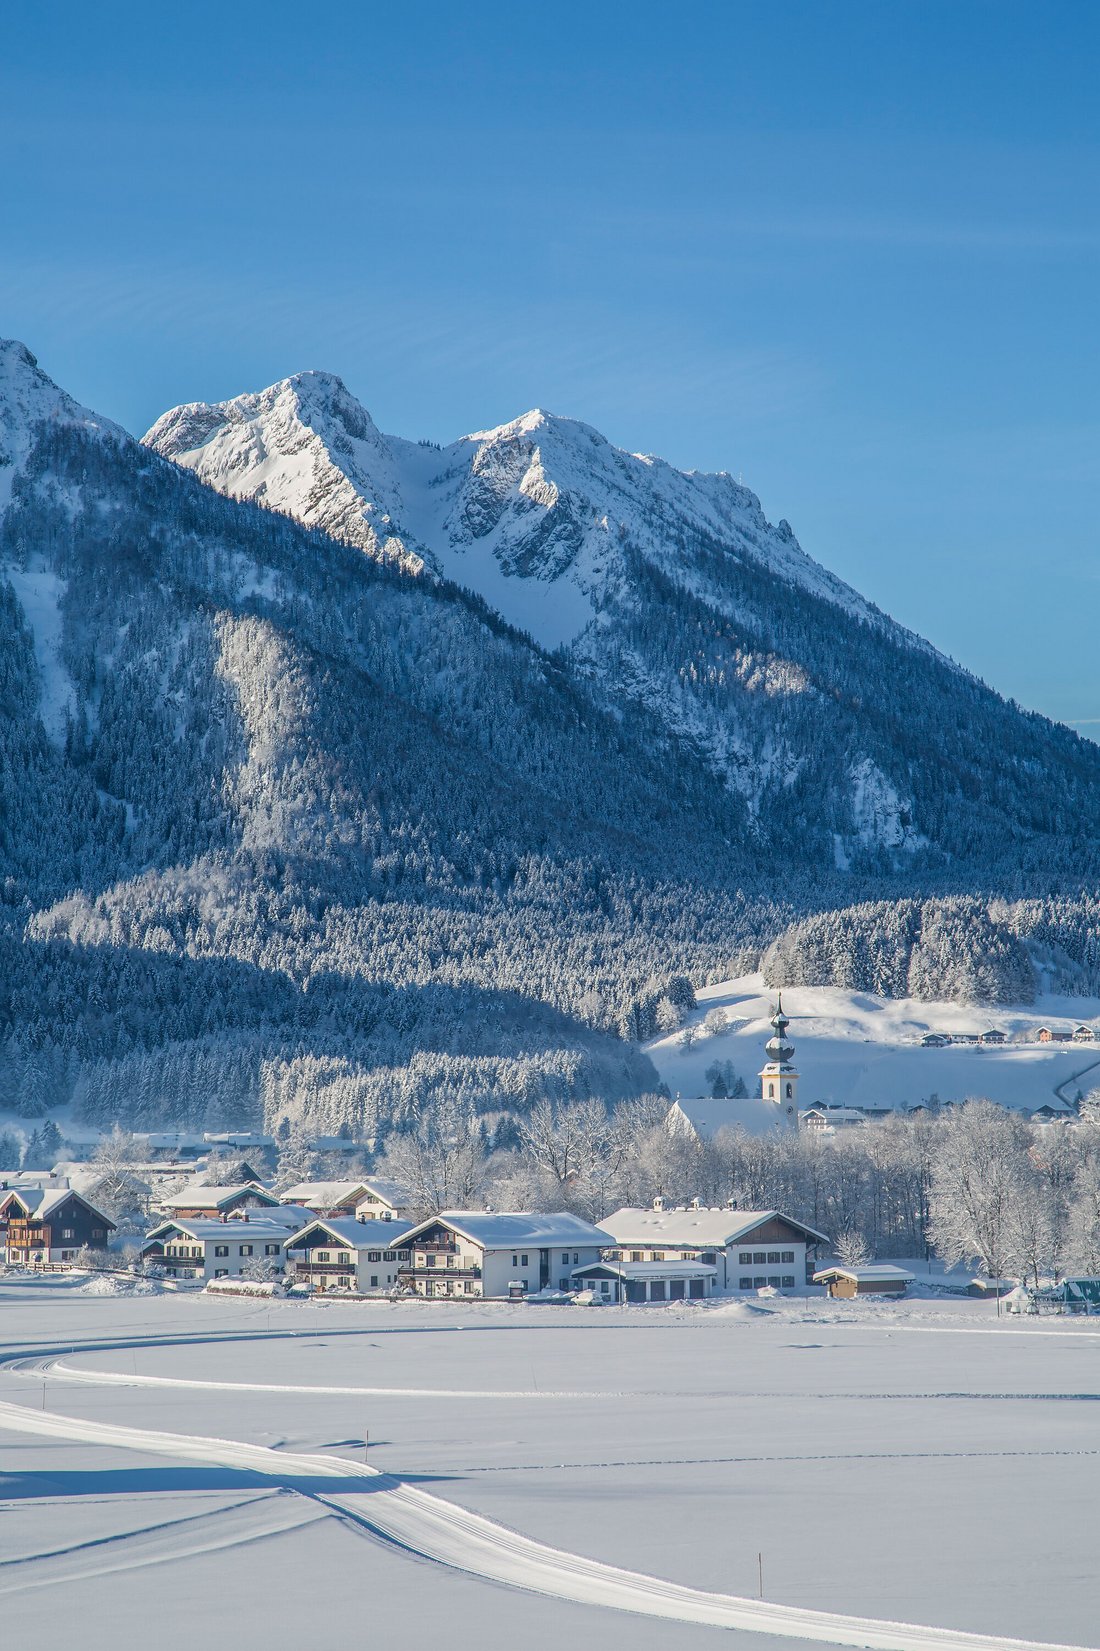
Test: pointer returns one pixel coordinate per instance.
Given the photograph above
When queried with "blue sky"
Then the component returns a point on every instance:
(848, 250)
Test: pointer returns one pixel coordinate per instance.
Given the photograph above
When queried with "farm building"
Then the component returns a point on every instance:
(877, 1278)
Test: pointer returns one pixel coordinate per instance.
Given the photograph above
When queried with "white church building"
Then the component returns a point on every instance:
(774, 1107)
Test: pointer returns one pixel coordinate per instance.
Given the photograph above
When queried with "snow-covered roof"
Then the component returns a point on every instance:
(508, 1229)
(705, 1115)
(835, 1114)
(195, 1197)
(696, 1228)
(237, 1138)
(355, 1235)
(323, 1192)
(882, 1272)
(205, 1230)
(49, 1199)
(393, 1193)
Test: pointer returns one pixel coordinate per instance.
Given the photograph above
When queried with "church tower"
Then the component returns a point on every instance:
(778, 1077)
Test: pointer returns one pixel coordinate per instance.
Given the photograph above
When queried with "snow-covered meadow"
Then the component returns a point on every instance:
(924, 1463)
(855, 1049)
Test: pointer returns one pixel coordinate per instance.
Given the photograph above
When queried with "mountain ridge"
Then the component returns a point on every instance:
(665, 589)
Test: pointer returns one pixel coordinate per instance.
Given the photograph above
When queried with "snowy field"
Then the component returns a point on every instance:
(853, 1049)
(176, 1469)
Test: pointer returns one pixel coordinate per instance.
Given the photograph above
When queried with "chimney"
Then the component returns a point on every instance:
(658, 1202)
(696, 1203)
(731, 1203)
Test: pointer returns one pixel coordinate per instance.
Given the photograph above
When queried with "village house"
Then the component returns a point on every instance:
(193, 1201)
(828, 1119)
(51, 1225)
(749, 1249)
(475, 1253)
(341, 1253)
(383, 1200)
(203, 1248)
(877, 1278)
(327, 1197)
(646, 1281)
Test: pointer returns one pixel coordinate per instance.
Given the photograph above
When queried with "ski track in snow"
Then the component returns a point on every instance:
(429, 1527)
(267, 1514)
(55, 1370)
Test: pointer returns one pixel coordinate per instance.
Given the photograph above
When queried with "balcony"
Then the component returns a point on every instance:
(315, 1269)
(408, 1270)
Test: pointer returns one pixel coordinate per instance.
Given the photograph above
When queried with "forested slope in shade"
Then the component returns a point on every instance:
(846, 739)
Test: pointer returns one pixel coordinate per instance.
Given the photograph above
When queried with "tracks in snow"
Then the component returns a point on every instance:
(428, 1526)
(266, 1514)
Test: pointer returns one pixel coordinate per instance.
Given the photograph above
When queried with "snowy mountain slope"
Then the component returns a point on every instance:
(670, 593)
(304, 447)
(28, 399)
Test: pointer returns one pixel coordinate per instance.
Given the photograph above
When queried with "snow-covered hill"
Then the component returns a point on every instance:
(855, 1049)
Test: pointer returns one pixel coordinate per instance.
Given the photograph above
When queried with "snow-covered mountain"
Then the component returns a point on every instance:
(542, 499)
(669, 591)
(291, 823)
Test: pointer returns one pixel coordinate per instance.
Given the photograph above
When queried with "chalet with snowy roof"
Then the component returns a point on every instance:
(327, 1197)
(15, 1203)
(341, 1253)
(384, 1200)
(193, 1201)
(52, 1225)
(749, 1249)
(877, 1278)
(240, 1140)
(475, 1253)
(20, 1190)
(827, 1120)
(201, 1249)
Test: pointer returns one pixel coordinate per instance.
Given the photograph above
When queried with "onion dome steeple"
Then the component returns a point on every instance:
(778, 1048)
(778, 1077)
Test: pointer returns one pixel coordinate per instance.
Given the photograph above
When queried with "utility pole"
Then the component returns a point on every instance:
(760, 1575)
